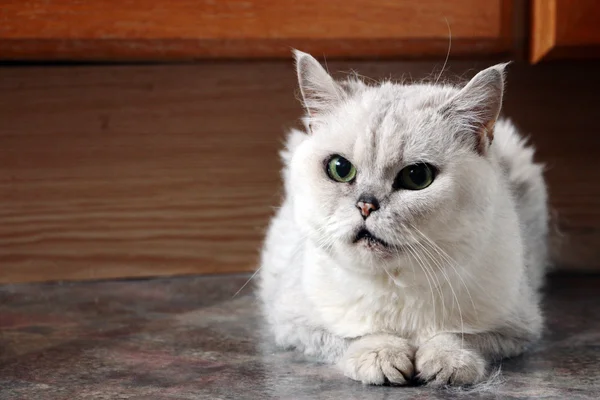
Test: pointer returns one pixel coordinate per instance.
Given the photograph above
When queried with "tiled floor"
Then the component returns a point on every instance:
(187, 338)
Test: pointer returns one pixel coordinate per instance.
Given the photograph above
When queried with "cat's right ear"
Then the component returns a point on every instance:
(478, 105)
(319, 90)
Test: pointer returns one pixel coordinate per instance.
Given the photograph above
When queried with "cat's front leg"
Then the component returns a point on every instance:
(378, 359)
(455, 359)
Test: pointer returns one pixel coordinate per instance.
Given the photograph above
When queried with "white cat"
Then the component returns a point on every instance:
(411, 242)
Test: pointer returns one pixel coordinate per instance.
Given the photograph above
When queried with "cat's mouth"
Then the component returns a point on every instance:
(365, 236)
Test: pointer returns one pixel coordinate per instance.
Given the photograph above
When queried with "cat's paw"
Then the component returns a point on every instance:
(379, 359)
(444, 361)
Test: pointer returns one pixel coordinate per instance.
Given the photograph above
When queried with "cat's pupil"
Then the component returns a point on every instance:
(343, 167)
(414, 177)
(418, 174)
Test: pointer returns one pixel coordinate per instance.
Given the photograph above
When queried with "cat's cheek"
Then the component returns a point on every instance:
(315, 210)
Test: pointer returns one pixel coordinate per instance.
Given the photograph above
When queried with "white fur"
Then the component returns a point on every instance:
(375, 358)
(474, 250)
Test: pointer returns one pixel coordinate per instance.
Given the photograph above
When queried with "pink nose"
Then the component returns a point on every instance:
(366, 208)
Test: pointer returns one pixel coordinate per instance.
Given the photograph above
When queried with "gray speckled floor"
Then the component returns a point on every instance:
(187, 338)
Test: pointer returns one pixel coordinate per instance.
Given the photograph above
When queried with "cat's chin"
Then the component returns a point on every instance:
(375, 250)
(365, 241)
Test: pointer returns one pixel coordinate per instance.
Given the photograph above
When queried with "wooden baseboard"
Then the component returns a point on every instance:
(130, 171)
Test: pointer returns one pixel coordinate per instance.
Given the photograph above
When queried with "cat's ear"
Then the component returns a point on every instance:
(319, 90)
(477, 106)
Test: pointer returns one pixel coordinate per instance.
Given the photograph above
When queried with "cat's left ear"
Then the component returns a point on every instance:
(319, 90)
(477, 106)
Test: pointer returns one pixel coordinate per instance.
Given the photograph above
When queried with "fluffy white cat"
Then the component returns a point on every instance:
(411, 243)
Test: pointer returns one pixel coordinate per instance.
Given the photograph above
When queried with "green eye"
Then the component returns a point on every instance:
(414, 177)
(341, 170)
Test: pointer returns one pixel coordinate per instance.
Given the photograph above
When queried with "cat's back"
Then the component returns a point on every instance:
(526, 182)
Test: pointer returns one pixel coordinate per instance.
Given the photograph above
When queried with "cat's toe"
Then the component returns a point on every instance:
(379, 359)
(444, 361)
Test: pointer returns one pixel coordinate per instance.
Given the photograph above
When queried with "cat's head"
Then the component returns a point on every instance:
(385, 169)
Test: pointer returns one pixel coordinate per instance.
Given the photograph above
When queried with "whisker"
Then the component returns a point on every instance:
(247, 282)
(448, 53)
(455, 297)
(397, 251)
(411, 251)
(453, 264)
(434, 276)
(446, 277)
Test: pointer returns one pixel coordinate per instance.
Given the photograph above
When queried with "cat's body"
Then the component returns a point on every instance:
(446, 277)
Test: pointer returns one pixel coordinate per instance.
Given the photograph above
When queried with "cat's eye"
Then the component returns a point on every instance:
(414, 177)
(341, 170)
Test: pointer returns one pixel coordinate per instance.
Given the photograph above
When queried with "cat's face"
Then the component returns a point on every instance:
(388, 169)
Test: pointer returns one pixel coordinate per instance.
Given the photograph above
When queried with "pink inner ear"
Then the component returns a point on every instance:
(489, 130)
(485, 136)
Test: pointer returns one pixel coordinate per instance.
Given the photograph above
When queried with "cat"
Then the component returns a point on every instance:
(411, 242)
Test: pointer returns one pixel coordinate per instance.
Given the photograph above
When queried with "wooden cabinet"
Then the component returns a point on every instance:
(106, 30)
(158, 30)
(563, 29)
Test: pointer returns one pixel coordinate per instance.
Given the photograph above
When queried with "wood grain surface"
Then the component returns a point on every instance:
(125, 171)
(564, 29)
(191, 29)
